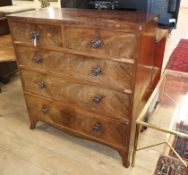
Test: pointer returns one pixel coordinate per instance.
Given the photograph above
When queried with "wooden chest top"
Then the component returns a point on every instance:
(95, 18)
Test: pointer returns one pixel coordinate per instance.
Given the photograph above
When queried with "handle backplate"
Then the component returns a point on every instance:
(42, 84)
(96, 43)
(97, 127)
(96, 71)
(35, 36)
(37, 59)
(44, 109)
(97, 99)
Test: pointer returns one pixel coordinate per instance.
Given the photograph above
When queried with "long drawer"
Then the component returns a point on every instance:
(102, 43)
(45, 35)
(110, 73)
(92, 125)
(96, 99)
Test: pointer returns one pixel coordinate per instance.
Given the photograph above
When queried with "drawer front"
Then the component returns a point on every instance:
(22, 31)
(102, 43)
(95, 99)
(46, 35)
(111, 73)
(108, 130)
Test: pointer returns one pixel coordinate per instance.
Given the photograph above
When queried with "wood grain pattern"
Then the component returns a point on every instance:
(114, 44)
(113, 74)
(106, 19)
(111, 131)
(49, 35)
(145, 61)
(144, 73)
(112, 103)
(108, 40)
(22, 31)
(158, 59)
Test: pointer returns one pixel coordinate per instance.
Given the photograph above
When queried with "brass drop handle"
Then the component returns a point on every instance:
(35, 38)
(37, 59)
(96, 71)
(42, 84)
(97, 127)
(44, 109)
(96, 43)
(97, 99)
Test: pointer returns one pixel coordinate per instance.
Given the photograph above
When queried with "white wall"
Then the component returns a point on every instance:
(184, 3)
(35, 3)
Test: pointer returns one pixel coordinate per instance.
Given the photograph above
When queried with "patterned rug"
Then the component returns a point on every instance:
(179, 59)
(169, 166)
(180, 144)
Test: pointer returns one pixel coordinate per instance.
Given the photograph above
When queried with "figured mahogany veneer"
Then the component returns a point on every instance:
(111, 73)
(113, 44)
(96, 126)
(96, 99)
(87, 72)
(50, 35)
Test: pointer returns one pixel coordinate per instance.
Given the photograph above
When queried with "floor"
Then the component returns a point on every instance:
(48, 151)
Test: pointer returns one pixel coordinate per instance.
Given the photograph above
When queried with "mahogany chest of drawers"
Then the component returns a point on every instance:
(86, 72)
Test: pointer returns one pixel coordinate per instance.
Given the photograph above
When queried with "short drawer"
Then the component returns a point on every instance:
(92, 125)
(110, 73)
(101, 43)
(103, 101)
(46, 35)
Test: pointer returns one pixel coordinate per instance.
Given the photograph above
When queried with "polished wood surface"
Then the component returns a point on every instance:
(144, 73)
(145, 61)
(22, 31)
(98, 62)
(102, 19)
(96, 99)
(110, 73)
(113, 44)
(6, 49)
(158, 59)
(96, 126)
(48, 35)
(161, 34)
